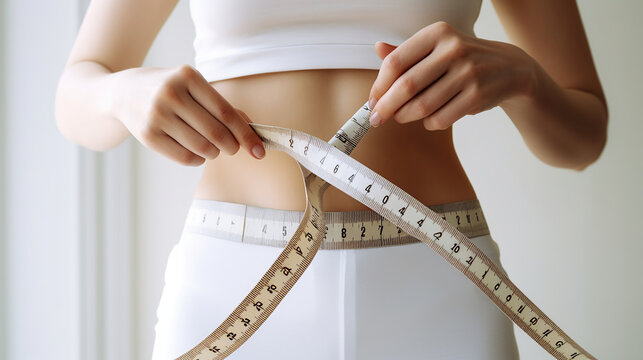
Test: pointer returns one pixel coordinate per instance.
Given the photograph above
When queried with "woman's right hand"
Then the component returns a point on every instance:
(175, 111)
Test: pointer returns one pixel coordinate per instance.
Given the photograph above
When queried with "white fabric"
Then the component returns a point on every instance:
(245, 37)
(400, 302)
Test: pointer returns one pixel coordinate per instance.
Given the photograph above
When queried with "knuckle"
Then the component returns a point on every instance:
(167, 93)
(204, 147)
(423, 108)
(407, 85)
(442, 27)
(244, 116)
(458, 48)
(217, 135)
(248, 137)
(376, 90)
(393, 62)
(226, 115)
(186, 71)
(154, 116)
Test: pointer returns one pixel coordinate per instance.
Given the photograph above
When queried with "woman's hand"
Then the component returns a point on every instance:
(177, 113)
(440, 74)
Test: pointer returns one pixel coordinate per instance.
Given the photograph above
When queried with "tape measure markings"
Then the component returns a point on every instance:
(398, 207)
(386, 199)
(344, 230)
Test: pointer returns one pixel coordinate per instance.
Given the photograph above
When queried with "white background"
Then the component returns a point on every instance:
(79, 281)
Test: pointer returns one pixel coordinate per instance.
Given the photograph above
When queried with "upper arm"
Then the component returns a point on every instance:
(118, 33)
(551, 31)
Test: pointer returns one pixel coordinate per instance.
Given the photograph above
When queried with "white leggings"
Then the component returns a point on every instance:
(398, 302)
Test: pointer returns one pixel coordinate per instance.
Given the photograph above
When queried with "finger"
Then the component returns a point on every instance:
(171, 149)
(216, 105)
(190, 139)
(197, 117)
(450, 112)
(408, 85)
(247, 135)
(402, 58)
(382, 49)
(245, 116)
(431, 99)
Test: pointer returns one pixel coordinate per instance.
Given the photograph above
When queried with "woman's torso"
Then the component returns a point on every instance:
(423, 163)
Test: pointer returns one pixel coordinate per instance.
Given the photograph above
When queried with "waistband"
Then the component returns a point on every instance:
(345, 229)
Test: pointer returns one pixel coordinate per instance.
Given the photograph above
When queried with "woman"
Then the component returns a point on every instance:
(309, 66)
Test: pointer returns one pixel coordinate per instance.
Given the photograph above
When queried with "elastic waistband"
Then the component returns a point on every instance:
(345, 229)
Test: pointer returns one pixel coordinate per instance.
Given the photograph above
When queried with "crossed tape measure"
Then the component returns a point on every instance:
(328, 163)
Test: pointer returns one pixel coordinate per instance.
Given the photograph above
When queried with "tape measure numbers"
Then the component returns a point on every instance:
(325, 163)
(344, 229)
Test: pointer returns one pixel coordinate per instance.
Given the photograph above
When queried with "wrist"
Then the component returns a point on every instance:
(528, 77)
(117, 98)
(532, 80)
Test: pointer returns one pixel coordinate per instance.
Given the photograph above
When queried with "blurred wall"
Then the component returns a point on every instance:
(570, 240)
(3, 250)
(38, 176)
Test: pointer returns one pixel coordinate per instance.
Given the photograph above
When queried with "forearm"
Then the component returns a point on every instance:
(562, 127)
(84, 106)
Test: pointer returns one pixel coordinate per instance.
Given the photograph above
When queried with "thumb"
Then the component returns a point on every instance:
(382, 49)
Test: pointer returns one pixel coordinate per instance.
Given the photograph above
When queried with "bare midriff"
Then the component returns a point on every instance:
(423, 163)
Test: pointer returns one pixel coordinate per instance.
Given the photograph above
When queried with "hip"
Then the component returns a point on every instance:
(346, 305)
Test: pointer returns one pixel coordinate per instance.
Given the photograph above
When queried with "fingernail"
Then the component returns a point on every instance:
(258, 151)
(375, 119)
(371, 103)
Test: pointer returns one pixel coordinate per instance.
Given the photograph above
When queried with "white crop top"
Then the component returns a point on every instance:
(244, 37)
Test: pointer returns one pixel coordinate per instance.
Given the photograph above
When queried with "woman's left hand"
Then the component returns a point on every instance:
(441, 74)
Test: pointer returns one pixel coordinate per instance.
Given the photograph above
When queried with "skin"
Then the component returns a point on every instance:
(545, 81)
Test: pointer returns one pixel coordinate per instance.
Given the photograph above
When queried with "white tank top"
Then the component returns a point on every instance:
(244, 37)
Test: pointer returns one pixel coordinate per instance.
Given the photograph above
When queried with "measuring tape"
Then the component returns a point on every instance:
(328, 163)
(344, 229)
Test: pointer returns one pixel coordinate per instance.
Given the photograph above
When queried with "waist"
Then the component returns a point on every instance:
(319, 102)
(344, 229)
